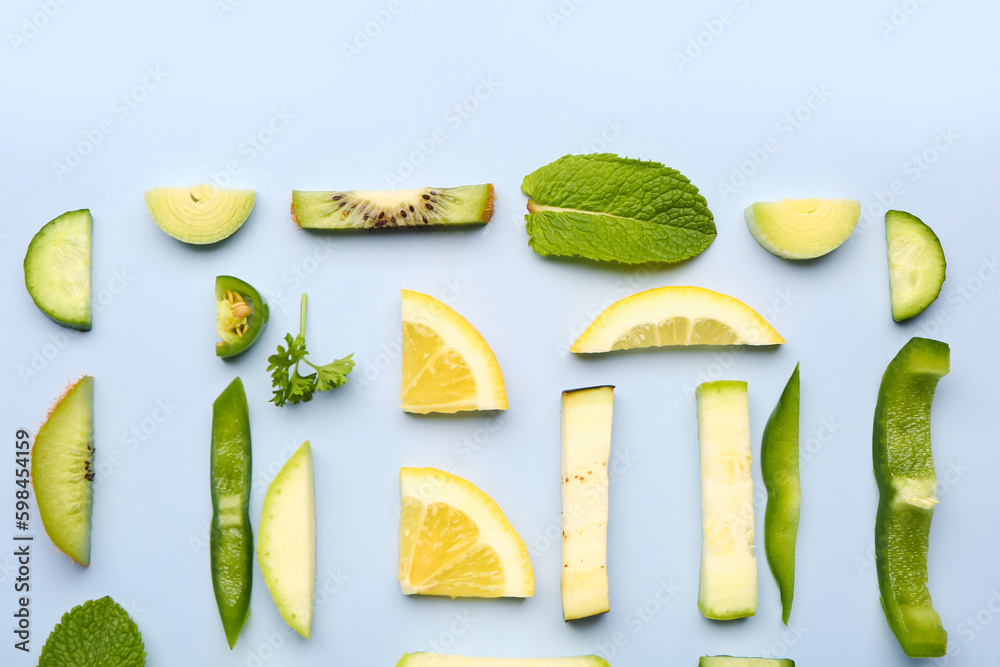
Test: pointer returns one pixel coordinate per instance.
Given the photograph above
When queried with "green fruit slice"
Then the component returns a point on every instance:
(241, 315)
(200, 214)
(586, 444)
(62, 470)
(286, 546)
(728, 583)
(907, 484)
(916, 264)
(231, 539)
(57, 269)
(779, 464)
(730, 661)
(426, 659)
(376, 209)
(802, 228)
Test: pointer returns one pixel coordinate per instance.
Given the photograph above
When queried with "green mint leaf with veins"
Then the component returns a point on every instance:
(608, 208)
(295, 388)
(98, 633)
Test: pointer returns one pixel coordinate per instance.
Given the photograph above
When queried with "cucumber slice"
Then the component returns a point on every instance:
(427, 659)
(916, 264)
(586, 444)
(728, 585)
(730, 661)
(57, 269)
(802, 228)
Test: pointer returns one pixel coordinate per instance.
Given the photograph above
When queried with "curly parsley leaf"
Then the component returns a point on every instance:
(98, 633)
(296, 388)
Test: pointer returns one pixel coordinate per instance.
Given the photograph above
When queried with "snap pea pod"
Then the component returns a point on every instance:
(231, 541)
(907, 484)
(779, 464)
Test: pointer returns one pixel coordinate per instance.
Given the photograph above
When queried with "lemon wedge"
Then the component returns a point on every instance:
(802, 228)
(447, 365)
(200, 214)
(455, 541)
(668, 316)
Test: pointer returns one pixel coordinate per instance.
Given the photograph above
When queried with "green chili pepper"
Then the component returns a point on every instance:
(240, 316)
(231, 544)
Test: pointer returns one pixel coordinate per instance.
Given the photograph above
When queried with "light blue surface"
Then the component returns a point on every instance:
(199, 82)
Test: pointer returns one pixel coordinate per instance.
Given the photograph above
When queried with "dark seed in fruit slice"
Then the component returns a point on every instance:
(369, 209)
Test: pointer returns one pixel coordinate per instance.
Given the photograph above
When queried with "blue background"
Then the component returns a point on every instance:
(894, 104)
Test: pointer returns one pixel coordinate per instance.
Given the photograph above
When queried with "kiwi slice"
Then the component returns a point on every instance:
(200, 214)
(371, 209)
(62, 470)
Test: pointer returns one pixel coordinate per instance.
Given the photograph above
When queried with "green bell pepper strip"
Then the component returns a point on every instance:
(240, 316)
(231, 540)
(779, 463)
(904, 472)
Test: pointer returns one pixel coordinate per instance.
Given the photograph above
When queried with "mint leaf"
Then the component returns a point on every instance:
(608, 208)
(98, 633)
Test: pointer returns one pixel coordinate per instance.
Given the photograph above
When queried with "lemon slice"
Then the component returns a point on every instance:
(447, 365)
(675, 316)
(200, 214)
(454, 540)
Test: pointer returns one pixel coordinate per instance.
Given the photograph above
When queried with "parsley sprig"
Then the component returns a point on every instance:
(296, 388)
